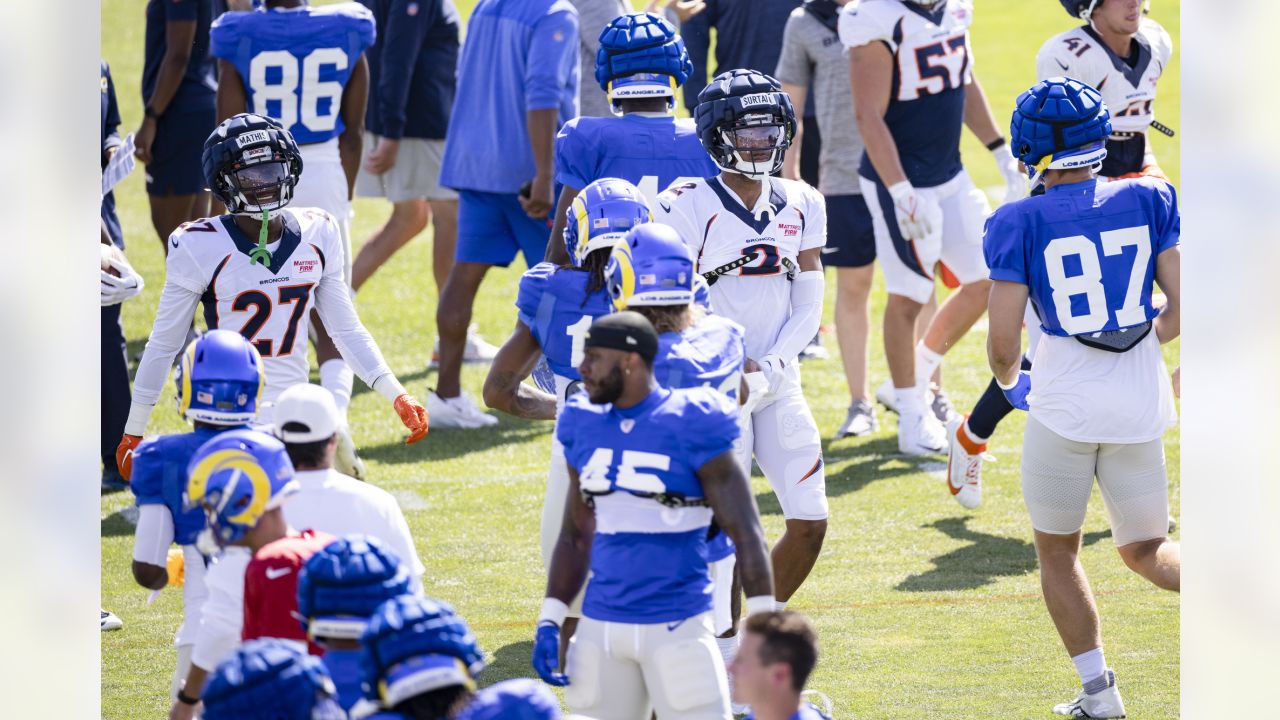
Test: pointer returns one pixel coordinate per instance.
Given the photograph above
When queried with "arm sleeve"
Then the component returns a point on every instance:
(807, 292)
(153, 536)
(794, 64)
(222, 615)
(815, 221)
(178, 303)
(572, 157)
(1003, 247)
(402, 40)
(858, 26)
(716, 418)
(553, 55)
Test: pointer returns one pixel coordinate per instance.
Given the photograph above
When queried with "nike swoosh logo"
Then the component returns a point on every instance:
(673, 625)
(1064, 67)
(829, 250)
(277, 573)
(173, 242)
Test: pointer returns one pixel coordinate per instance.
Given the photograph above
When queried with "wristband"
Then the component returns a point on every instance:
(760, 604)
(186, 699)
(136, 423)
(553, 611)
(996, 144)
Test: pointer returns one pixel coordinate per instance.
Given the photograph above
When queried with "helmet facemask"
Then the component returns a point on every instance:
(754, 146)
(264, 186)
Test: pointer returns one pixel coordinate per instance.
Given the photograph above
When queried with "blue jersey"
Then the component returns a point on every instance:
(1086, 251)
(344, 668)
(651, 153)
(295, 63)
(554, 305)
(648, 560)
(160, 478)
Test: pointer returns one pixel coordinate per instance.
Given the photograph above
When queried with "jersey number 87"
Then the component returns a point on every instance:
(1089, 281)
(274, 77)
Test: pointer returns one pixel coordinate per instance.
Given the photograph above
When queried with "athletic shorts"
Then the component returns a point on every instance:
(416, 173)
(176, 167)
(909, 265)
(493, 229)
(851, 236)
(1057, 479)
(323, 185)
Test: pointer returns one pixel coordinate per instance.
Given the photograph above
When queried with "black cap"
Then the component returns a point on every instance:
(628, 331)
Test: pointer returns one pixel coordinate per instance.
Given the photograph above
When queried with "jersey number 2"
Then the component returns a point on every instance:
(1089, 281)
(261, 306)
(313, 93)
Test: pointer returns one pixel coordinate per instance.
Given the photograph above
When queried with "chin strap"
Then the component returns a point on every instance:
(261, 254)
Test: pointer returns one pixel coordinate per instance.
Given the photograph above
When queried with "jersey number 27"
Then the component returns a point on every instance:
(318, 101)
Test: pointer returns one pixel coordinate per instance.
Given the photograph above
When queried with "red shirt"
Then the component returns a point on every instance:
(271, 588)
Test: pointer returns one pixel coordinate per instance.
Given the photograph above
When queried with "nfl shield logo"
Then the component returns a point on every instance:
(627, 424)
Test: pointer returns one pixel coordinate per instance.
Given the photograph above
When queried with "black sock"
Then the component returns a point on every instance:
(991, 408)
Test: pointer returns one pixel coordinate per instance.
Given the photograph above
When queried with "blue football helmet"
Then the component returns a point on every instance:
(236, 477)
(251, 164)
(650, 265)
(414, 645)
(1058, 124)
(219, 379)
(741, 115)
(601, 214)
(519, 699)
(341, 586)
(270, 679)
(641, 56)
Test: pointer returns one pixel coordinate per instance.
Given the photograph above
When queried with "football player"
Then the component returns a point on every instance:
(643, 492)
(271, 678)
(1085, 254)
(761, 238)
(305, 67)
(1122, 53)
(338, 590)
(640, 63)
(913, 91)
(420, 661)
(259, 269)
(219, 380)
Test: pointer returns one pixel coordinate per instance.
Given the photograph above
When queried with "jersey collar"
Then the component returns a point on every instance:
(1082, 186)
(759, 217)
(1132, 73)
(655, 397)
(288, 241)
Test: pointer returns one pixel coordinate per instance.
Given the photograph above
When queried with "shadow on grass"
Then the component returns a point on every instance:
(510, 661)
(117, 525)
(447, 443)
(873, 459)
(980, 562)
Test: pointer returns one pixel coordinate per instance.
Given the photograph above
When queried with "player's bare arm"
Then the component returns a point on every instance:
(791, 163)
(1004, 334)
(542, 139)
(556, 252)
(571, 557)
(729, 495)
(179, 38)
(977, 114)
(504, 387)
(232, 99)
(355, 97)
(1168, 324)
(871, 72)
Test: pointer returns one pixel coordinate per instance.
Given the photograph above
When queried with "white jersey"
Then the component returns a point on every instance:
(270, 305)
(789, 217)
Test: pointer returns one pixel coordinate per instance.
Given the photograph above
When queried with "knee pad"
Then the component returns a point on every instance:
(691, 673)
(582, 665)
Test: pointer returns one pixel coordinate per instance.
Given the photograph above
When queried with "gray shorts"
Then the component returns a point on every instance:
(416, 173)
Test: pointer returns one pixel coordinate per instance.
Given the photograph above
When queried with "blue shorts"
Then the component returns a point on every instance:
(851, 237)
(492, 228)
(176, 168)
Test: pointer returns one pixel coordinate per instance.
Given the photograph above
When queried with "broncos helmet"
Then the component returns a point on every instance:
(1084, 8)
(236, 477)
(1059, 124)
(340, 586)
(270, 679)
(742, 114)
(641, 56)
(219, 379)
(414, 645)
(650, 265)
(603, 211)
(251, 164)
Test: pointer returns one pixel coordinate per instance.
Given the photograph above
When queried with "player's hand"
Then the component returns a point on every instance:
(115, 290)
(541, 198)
(773, 368)
(918, 213)
(143, 140)
(1017, 393)
(1015, 181)
(546, 655)
(414, 417)
(684, 9)
(124, 454)
(383, 157)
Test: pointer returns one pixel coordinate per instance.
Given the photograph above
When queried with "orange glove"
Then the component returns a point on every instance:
(176, 565)
(414, 417)
(1148, 171)
(124, 454)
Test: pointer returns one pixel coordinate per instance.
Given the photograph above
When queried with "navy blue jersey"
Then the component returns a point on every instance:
(412, 68)
(648, 560)
(160, 478)
(931, 67)
(295, 63)
(554, 305)
(199, 83)
(651, 153)
(1086, 251)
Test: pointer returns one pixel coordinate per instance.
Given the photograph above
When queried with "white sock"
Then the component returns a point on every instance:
(927, 361)
(728, 648)
(910, 400)
(780, 605)
(972, 436)
(1090, 665)
(337, 378)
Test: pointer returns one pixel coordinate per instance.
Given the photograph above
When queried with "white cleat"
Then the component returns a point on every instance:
(964, 465)
(459, 412)
(887, 396)
(921, 434)
(1105, 703)
(346, 460)
(110, 621)
(478, 350)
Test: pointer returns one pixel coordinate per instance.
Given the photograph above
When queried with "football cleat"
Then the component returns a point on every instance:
(964, 465)
(860, 420)
(478, 350)
(460, 412)
(346, 460)
(110, 621)
(814, 350)
(886, 395)
(1105, 703)
(921, 434)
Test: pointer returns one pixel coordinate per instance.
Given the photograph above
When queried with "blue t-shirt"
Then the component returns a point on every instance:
(295, 63)
(344, 668)
(160, 477)
(554, 305)
(1086, 251)
(651, 153)
(199, 82)
(648, 560)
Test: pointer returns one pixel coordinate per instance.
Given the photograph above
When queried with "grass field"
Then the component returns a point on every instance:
(924, 610)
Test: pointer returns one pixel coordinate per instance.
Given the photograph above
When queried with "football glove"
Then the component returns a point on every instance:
(124, 454)
(546, 654)
(918, 214)
(1015, 181)
(773, 368)
(414, 417)
(1017, 393)
(176, 565)
(115, 290)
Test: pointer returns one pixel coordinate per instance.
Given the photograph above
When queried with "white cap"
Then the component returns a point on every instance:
(309, 405)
